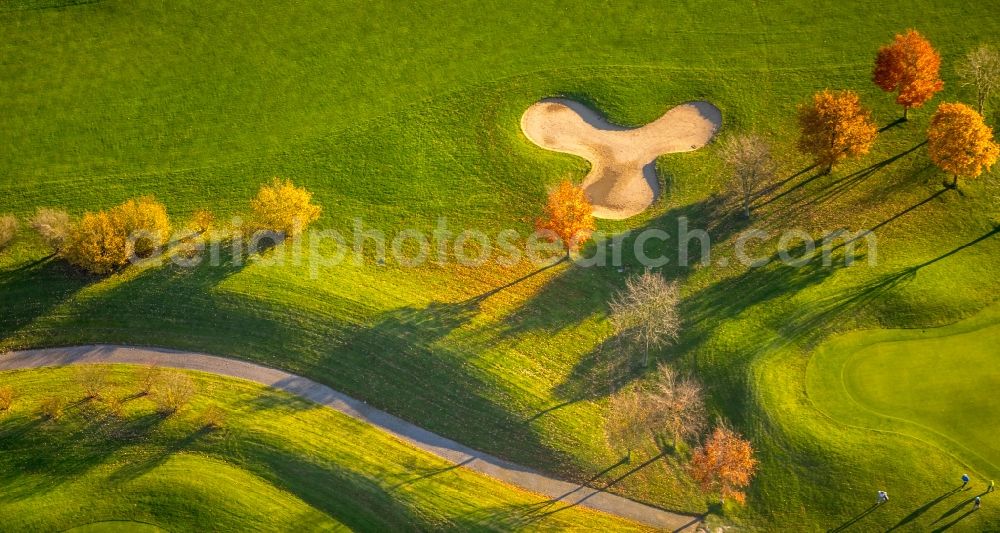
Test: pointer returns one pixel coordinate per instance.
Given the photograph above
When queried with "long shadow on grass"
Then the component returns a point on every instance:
(855, 519)
(400, 364)
(33, 290)
(579, 292)
(359, 502)
(923, 509)
(42, 454)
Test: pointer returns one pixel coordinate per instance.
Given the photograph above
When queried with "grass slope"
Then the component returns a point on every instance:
(935, 384)
(276, 462)
(400, 115)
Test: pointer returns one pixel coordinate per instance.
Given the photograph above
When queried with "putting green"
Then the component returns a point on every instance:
(938, 385)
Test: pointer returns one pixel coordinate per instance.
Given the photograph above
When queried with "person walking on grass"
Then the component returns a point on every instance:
(965, 480)
(990, 488)
(882, 497)
(977, 502)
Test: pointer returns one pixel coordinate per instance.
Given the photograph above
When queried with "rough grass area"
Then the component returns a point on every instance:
(276, 463)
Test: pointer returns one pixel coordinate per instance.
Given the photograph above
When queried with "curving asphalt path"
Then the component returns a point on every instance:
(447, 449)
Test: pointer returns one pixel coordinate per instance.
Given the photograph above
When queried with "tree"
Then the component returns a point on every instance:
(959, 142)
(980, 69)
(910, 67)
(678, 404)
(645, 312)
(52, 225)
(148, 379)
(51, 408)
(749, 157)
(144, 222)
(202, 221)
(173, 391)
(568, 217)
(96, 245)
(105, 241)
(284, 208)
(835, 126)
(8, 230)
(629, 420)
(725, 463)
(94, 380)
(6, 398)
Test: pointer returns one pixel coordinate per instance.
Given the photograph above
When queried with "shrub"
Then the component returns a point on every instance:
(93, 379)
(173, 391)
(144, 221)
(103, 242)
(6, 398)
(53, 225)
(202, 221)
(148, 378)
(213, 417)
(51, 408)
(8, 230)
(284, 208)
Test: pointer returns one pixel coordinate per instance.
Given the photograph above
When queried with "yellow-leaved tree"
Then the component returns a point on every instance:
(284, 208)
(105, 241)
(835, 126)
(960, 143)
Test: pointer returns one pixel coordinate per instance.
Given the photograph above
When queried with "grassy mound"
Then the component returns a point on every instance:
(275, 461)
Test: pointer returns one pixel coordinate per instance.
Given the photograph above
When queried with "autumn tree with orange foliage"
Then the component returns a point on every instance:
(724, 463)
(909, 67)
(568, 218)
(835, 126)
(960, 143)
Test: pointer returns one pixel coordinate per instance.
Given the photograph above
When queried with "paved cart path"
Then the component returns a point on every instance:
(447, 449)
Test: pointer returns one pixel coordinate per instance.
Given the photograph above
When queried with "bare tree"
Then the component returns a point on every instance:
(628, 421)
(148, 378)
(173, 391)
(93, 379)
(645, 312)
(8, 230)
(52, 225)
(980, 69)
(678, 404)
(749, 157)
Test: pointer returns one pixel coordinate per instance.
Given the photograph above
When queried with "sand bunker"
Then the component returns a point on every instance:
(622, 181)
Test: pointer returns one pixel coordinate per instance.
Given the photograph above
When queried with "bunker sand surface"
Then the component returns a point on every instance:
(622, 180)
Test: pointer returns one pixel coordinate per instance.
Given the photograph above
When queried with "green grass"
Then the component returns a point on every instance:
(936, 384)
(400, 115)
(276, 463)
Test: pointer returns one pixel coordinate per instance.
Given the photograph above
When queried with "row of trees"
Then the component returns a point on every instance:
(835, 126)
(170, 391)
(105, 241)
(721, 461)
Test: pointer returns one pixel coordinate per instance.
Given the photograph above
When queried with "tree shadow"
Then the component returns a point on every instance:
(923, 509)
(40, 455)
(839, 186)
(33, 290)
(446, 394)
(154, 458)
(855, 519)
(359, 502)
(954, 522)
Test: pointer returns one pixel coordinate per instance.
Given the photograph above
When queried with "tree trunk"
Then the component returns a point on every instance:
(979, 102)
(905, 109)
(954, 181)
(645, 359)
(746, 206)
